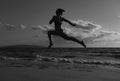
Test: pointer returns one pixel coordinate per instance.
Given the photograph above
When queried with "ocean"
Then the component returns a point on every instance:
(32, 56)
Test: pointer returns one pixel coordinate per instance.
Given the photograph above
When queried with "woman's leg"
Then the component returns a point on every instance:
(72, 39)
(49, 37)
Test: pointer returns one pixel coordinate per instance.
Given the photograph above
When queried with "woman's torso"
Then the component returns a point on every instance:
(58, 23)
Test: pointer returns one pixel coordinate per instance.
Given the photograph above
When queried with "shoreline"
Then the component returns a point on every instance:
(83, 73)
(50, 71)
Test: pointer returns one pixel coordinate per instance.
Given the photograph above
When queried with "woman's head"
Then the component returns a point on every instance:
(59, 11)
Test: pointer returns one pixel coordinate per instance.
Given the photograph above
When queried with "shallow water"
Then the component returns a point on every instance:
(92, 56)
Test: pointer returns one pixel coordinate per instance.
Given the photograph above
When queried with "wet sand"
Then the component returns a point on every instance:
(49, 69)
(76, 73)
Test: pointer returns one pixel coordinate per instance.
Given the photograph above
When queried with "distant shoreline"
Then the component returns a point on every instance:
(39, 46)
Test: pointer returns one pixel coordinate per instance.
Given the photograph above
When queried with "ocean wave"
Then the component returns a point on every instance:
(39, 58)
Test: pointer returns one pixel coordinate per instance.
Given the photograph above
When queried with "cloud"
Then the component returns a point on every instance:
(21, 26)
(103, 36)
(91, 32)
(108, 36)
(86, 25)
(84, 30)
(11, 27)
(43, 28)
(95, 33)
(87, 31)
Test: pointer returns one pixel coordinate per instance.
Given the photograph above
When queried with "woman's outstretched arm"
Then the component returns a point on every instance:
(69, 22)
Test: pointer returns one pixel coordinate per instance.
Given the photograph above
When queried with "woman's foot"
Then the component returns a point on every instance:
(50, 45)
(83, 44)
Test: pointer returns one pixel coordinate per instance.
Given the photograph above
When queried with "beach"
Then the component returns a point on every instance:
(84, 73)
(28, 64)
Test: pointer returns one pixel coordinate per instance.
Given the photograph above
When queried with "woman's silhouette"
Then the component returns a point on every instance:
(58, 19)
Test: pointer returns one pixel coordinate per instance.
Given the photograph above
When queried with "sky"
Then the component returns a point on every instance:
(98, 22)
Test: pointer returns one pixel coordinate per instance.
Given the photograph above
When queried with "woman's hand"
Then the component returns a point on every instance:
(73, 24)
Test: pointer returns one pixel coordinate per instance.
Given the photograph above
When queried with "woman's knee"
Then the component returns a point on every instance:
(49, 32)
